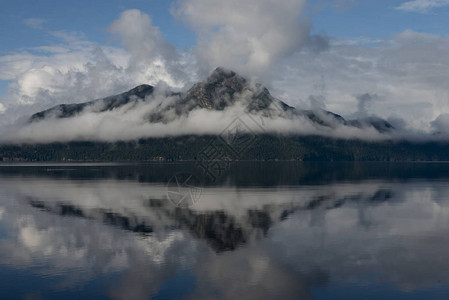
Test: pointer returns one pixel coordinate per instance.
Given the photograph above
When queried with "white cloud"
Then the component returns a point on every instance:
(35, 23)
(152, 57)
(39, 81)
(408, 73)
(422, 6)
(246, 36)
(77, 70)
(130, 122)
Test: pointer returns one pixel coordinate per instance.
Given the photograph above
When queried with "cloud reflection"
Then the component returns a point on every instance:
(253, 243)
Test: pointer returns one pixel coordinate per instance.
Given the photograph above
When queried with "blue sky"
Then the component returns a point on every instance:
(58, 51)
(88, 17)
(377, 19)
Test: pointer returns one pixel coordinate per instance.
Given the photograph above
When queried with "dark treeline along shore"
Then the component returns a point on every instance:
(264, 147)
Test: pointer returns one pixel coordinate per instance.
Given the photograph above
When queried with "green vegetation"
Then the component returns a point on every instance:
(265, 147)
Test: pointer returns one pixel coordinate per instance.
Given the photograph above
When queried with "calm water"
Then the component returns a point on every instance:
(260, 231)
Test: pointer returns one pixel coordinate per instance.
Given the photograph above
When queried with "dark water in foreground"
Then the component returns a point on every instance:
(261, 231)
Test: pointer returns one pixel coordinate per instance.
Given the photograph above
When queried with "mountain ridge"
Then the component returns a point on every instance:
(110, 102)
(220, 90)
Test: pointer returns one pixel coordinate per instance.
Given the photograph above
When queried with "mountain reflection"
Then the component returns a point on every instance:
(221, 229)
(238, 241)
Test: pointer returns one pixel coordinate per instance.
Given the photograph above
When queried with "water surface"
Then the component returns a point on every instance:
(280, 230)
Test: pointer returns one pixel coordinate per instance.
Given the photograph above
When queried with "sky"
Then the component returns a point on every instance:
(356, 58)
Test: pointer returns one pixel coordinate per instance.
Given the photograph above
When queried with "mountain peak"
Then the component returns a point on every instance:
(222, 72)
(216, 91)
(141, 89)
(224, 77)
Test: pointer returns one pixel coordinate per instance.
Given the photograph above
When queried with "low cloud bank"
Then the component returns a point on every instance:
(132, 121)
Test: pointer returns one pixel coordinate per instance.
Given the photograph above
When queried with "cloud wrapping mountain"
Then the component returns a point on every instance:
(246, 36)
(208, 108)
(263, 40)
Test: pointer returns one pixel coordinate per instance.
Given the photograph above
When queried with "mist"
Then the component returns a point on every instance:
(132, 122)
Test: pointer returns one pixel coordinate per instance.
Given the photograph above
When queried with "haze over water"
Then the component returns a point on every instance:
(282, 230)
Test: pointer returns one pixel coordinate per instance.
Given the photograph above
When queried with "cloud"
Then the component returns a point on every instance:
(35, 23)
(441, 124)
(138, 35)
(363, 101)
(246, 36)
(131, 122)
(408, 73)
(151, 55)
(77, 70)
(53, 70)
(422, 6)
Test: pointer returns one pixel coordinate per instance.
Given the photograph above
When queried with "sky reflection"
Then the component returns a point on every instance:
(247, 242)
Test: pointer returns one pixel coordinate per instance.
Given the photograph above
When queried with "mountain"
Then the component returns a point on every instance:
(222, 230)
(98, 105)
(218, 90)
(222, 89)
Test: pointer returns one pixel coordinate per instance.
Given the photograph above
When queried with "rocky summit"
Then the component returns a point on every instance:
(220, 90)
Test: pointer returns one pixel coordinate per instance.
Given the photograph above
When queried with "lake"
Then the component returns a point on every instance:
(267, 230)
